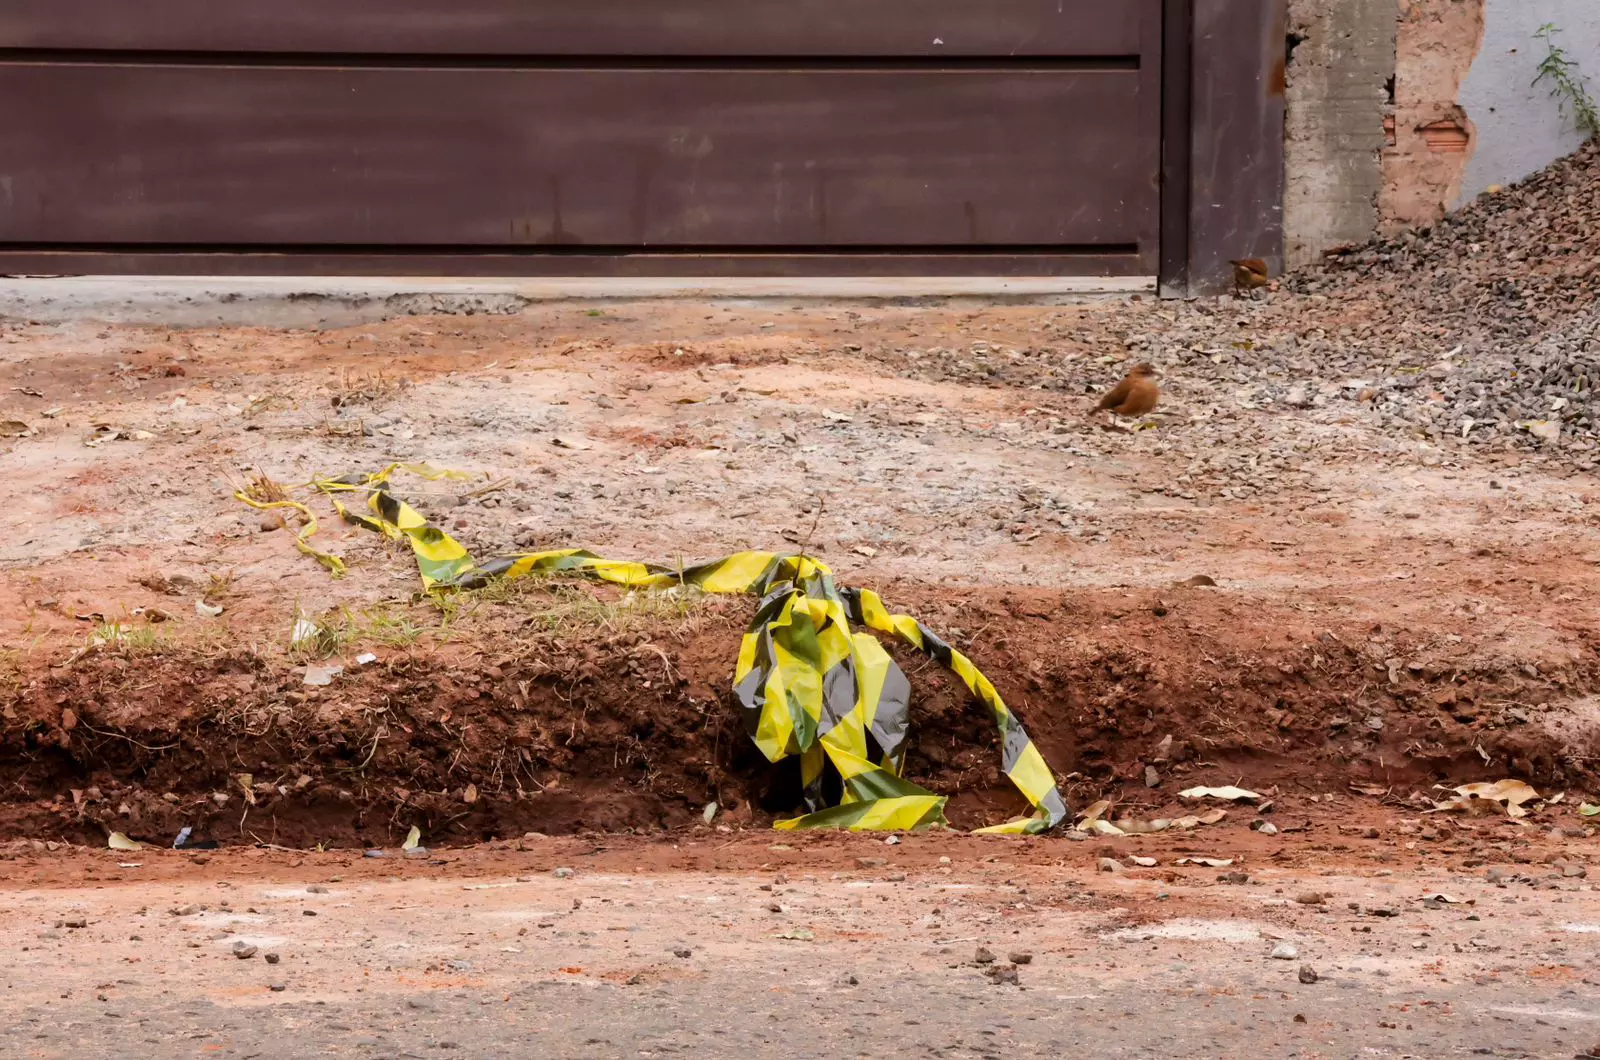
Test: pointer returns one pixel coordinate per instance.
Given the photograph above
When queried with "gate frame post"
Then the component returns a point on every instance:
(1222, 170)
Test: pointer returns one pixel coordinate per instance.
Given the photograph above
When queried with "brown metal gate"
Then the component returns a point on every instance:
(602, 136)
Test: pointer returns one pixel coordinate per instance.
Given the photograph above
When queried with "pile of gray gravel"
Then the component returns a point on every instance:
(1497, 307)
(1479, 335)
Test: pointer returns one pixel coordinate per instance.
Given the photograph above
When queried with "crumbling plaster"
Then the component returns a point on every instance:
(1399, 110)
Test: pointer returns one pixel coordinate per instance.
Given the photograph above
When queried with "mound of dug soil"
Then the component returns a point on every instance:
(635, 730)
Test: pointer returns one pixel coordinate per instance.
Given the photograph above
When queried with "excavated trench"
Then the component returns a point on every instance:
(606, 730)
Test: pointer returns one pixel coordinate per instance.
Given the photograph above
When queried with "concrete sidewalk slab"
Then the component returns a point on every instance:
(320, 302)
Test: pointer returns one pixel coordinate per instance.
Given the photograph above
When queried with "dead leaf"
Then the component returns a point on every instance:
(27, 391)
(413, 838)
(470, 796)
(1103, 828)
(118, 841)
(1507, 795)
(205, 610)
(1589, 809)
(1198, 581)
(1143, 863)
(575, 444)
(796, 934)
(1133, 827)
(1210, 863)
(1229, 793)
(14, 429)
(1094, 810)
(247, 784)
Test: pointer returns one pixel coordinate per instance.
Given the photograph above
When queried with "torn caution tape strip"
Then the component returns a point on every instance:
(808, 685)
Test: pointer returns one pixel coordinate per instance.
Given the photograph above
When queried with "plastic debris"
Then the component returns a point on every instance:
(321, 676)
(304, 633)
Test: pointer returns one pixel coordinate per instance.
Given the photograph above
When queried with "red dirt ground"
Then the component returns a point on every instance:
(1380, 617)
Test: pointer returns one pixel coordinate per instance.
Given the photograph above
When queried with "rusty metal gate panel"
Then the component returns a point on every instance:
(612, 136)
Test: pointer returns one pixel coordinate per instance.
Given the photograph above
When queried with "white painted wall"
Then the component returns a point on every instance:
(1520, 128)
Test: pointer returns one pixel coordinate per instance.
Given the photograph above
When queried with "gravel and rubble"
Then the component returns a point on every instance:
(1481, 332)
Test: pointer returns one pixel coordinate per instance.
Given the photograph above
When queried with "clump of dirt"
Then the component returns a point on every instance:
(633, 729)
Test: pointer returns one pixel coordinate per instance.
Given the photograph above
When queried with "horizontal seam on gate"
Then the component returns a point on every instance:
(578, 249)
(646, 63)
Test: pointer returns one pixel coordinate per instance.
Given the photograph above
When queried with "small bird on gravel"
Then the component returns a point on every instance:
(1135, 396)
(1249, 274)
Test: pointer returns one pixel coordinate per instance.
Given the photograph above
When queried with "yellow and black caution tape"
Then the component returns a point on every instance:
(807, 684)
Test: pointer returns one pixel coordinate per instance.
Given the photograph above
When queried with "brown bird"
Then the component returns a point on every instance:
(1135, 396)
(1249, 274)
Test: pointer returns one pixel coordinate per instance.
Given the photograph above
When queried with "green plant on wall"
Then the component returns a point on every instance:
(1567, 84)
